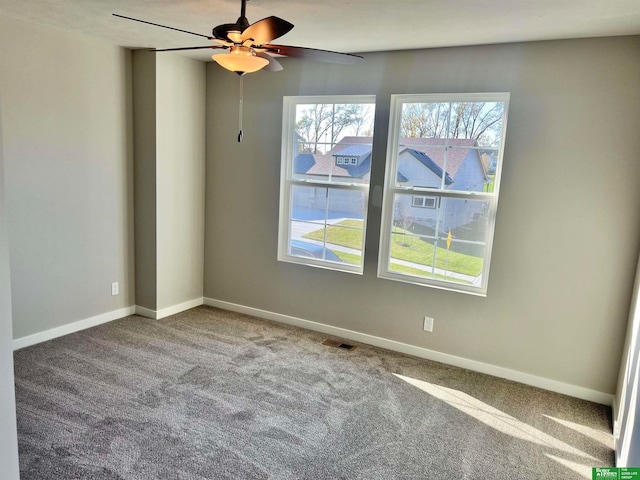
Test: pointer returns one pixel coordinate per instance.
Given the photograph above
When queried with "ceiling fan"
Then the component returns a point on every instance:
(249, 47)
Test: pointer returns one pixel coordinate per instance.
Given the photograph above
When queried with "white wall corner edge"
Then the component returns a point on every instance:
(496, 371)
(145, 312)
(166, 312)
(73, 327)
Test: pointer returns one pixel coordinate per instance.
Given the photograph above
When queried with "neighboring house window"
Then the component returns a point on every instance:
(424, 202)
(443, 168)
(354, 161)
(323, 209)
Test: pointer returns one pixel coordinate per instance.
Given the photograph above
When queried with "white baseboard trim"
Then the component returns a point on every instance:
(166, 312)
(496, 371)
(52, 333)
(39, 337)
(146, 312)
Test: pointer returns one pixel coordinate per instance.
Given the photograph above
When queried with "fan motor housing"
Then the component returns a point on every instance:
(221, 32)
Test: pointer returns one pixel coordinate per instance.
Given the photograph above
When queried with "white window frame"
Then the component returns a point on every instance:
(391, 189)
(287, 182)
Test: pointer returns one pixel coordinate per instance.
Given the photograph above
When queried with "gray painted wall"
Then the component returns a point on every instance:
(567, 233)
(169, 120)
(144, 135)
(180, 178)
(66, 111)
(8, 435)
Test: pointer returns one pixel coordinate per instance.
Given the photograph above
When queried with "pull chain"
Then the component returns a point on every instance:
(240, 108)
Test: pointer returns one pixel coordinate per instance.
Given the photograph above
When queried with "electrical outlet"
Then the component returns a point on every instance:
(428, 324)
(115, 288)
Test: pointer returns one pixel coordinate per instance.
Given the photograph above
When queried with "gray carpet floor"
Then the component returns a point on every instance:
(210, 394)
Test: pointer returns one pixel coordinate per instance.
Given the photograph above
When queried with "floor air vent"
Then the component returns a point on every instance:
(338, 344)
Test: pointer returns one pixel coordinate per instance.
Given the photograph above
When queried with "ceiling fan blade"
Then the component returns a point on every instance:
(265, 30)
(273, 66)
(185, 48)
(315, 54)
(163, 26)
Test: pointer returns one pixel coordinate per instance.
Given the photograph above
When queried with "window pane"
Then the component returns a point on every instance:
(480, 121)
(327, 224)
(445, 243)
(333, 142)
(424, 120)
(450, 146)
(308, 204)
(467, 219)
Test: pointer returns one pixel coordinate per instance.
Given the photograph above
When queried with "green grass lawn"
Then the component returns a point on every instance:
(348, 257)
(415, 250)
(356, 259)
(489, 185)
(348, 233)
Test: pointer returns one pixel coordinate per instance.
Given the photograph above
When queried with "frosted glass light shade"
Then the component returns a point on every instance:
(240, 62)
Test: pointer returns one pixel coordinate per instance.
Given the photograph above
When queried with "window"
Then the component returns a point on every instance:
(354, 161)
(323, 209)
(424, 202)
(443, 167)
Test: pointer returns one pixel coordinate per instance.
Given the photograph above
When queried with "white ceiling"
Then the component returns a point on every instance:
(341, 25)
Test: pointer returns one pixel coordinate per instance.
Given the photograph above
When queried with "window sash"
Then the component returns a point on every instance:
(391, 189)
(288, 182)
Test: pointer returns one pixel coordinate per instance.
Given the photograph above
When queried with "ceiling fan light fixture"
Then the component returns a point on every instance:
(240, 60)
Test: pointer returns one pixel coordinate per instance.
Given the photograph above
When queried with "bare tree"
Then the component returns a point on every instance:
(329, 121)
(314, 124)
(477, 120)
(404, 221)
(424, 120)
(351, 115)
